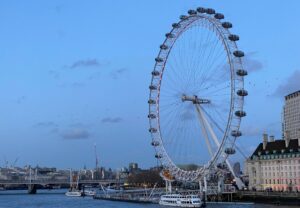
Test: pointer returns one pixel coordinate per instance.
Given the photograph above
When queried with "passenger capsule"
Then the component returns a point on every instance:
(236, 133)
(210, 11)
(176, 25)
(219, 16)
(163, 47)
(229, 151)
(221, 165)
(240, 113)
(233, 37)
(155, 73)
(152, 130)
(159, 60)
(238, 54)
(155, 143)
(151, 116)
(170, 35)
(242, 92)
(241, 72)
(150, 101)
(183, 17)
(201, 10)
(227, 25)
(158, 156)
(192, 12)
(152, 87)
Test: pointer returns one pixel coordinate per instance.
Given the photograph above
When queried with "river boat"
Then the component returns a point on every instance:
(74, 188)
(179, 200)
(89, 192)
(74, 193)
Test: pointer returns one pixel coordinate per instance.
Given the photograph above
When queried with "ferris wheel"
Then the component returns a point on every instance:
(197, 95)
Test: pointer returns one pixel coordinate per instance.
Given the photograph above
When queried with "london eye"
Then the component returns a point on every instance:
(197, 95)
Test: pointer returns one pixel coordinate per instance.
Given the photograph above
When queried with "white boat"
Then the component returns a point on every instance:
(179, 200)
(74, 193)
(89, 192)
(74, 190)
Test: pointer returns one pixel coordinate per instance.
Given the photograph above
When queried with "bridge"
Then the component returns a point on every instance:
(33, 184)
(56, 182)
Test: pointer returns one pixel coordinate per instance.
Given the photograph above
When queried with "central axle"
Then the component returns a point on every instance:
(194, 99)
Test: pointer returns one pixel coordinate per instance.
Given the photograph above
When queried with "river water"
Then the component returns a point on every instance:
(57, 199)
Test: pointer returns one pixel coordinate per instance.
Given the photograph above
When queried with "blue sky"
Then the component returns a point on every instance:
(75, 73)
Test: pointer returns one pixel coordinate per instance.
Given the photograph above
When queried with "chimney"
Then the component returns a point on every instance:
(265, 141)
(272, 138)
(286, 138)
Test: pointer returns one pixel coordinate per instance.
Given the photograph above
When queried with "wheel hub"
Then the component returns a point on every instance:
(194, 99)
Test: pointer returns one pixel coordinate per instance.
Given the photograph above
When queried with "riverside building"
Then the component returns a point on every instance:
(275, 164)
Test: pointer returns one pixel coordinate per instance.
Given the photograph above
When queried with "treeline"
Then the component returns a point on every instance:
(146, 178)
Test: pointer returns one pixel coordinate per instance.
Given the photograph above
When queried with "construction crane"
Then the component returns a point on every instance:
(15, 162)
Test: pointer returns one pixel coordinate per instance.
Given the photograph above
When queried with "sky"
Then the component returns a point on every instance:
(76, 73)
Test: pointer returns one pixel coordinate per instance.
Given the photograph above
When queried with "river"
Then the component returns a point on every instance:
(57, 199)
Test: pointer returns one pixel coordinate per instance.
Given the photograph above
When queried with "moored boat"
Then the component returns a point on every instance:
(74, 188)
(74, 193)
(179, 200)
(89, 192)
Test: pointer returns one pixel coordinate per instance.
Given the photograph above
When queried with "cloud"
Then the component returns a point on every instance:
(78, 84)
(112, 120)
(87, 63)
(21, 99)
(251, 64)
(54, 130)
(54, 74)
(291, 85)
(73, 84)
(76, 133)
(187, 115)
(94, 76)
(188, 112)
(116, 74)
(80, 125)
(46, 124)
(58, 8)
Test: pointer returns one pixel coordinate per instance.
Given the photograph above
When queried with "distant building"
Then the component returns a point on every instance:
(275, 164)
(133, 167)
(291, 116)
(122, 173)
(45, 171)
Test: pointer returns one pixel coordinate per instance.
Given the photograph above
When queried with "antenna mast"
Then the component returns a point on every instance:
(96, 156)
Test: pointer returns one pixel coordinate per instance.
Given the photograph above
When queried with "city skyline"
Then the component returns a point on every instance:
(76, 74)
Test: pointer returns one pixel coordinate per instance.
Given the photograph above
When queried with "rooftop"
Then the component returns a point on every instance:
(278, 146)
(292, 95)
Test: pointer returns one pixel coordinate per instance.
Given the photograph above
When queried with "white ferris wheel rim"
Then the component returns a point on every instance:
(236, 102)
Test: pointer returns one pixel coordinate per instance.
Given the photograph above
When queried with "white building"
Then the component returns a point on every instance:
(275, 164)
(291, 116)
